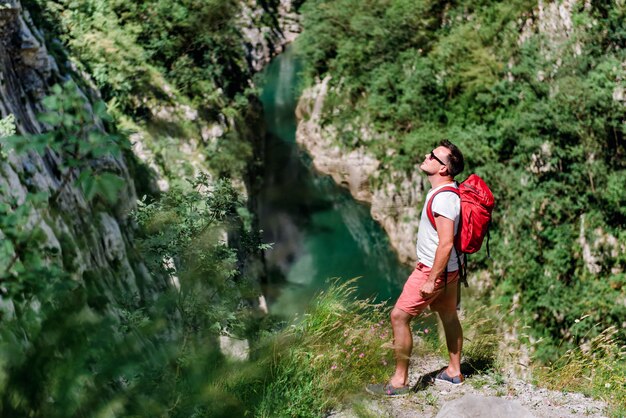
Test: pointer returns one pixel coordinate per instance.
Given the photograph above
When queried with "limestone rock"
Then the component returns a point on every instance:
(351, 169)
(264, 42)
(234, 348)
(475, 406)
(90, 239)
(395, 203)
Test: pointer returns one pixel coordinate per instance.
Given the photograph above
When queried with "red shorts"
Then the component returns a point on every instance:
(443, 298)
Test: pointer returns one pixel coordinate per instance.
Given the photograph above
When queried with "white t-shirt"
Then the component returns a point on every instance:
(448, 205)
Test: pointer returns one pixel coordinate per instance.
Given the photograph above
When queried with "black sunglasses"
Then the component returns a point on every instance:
(434, 157)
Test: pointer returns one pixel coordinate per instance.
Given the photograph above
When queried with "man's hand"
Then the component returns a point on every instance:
(428, 288)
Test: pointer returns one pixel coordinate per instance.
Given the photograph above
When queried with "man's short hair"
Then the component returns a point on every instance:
(456, 163)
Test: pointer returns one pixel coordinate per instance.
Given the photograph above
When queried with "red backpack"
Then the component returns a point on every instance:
(477, 203)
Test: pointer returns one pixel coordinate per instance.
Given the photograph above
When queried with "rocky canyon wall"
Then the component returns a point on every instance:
(395, 203)
(87, 236)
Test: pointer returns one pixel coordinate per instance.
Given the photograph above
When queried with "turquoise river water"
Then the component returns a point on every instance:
(318, 231)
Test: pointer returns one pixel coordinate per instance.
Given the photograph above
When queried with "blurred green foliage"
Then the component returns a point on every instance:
(185, 233)
(94, 347)
(83, 341)
(79, 341)
(535, 115)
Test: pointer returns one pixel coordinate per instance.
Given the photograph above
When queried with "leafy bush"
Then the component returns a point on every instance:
(183, 233)
(81, 343)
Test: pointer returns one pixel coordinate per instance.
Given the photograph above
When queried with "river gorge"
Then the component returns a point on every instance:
(317, 230)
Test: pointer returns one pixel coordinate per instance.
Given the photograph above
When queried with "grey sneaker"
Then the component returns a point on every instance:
(387, 390)
(442, 376)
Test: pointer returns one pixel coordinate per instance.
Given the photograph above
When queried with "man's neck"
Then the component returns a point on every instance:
(436, 181)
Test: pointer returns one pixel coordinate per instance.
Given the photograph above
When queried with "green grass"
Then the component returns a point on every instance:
(481, 338)
(322, 360)
(330, 353)
(597, 369)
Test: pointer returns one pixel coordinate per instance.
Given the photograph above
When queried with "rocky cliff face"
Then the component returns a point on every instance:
(395, 203)
(267, 29)
(89, 237)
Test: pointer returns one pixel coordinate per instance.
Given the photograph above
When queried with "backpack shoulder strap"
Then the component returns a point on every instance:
(429, 205)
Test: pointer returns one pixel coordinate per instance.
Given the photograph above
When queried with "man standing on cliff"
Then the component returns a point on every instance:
(434, 281)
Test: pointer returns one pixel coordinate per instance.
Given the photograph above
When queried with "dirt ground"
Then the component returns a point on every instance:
(428, 397)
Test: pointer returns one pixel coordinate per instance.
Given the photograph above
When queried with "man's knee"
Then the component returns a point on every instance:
(399, 317)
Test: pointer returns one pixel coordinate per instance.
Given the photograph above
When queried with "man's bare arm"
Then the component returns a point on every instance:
(445, 232)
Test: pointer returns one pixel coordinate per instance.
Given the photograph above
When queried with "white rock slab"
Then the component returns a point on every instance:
(474, 406)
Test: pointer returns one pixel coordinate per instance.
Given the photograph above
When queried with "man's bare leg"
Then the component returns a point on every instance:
(403, 344)
(454, 340)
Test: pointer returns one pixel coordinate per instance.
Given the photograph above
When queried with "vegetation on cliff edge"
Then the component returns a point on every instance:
(536, 102)
(539, 114)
